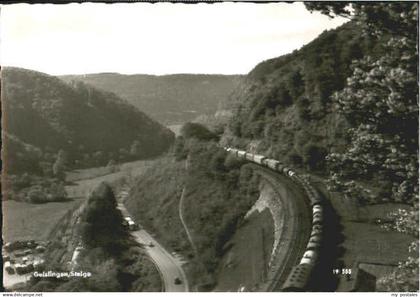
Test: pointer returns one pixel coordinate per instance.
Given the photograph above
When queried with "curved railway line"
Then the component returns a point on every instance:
(295, 232)
(298, 272)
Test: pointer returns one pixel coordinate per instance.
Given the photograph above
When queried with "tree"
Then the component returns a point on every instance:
(46, 167)
(329, 8)
(179, 149)
(99, 157)
(380, 101)
(135, 149)
(36, 195)
(198, 131)
(314, 155)
(59, 165)
(102, 221)
(57, 192)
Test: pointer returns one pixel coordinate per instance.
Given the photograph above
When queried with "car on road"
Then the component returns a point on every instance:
(177, 281)
(130, 224)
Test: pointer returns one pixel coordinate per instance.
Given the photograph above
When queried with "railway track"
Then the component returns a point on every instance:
(295, 232)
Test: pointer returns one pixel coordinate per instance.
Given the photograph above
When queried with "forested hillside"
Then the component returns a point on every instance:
(217, 192)
(170, 99)
(284, 104)
(306, 107)
(50, 126)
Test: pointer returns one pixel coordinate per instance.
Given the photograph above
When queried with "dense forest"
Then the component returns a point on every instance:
(170, 99)
(50, 127)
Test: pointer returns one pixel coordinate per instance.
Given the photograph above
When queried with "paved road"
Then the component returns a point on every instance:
(169, 266)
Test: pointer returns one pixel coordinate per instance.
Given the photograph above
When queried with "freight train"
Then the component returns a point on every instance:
(300, 275)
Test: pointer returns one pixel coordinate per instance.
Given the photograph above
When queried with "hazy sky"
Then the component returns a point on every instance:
(153, 38)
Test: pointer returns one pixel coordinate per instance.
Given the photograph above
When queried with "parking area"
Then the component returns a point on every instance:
(20, 259)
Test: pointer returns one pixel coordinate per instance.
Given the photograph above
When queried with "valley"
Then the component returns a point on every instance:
(300, 175)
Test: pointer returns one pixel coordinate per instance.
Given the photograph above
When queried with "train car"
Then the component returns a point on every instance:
(317, 215)
(259, 159)
(309, 257)
(313, 246)
(271, 163)
(317, 207)
(298, 278)
(315, 239)
(241, 154)
(249, 157)
(280, 168)
(316, 232)
(317, 221)
(317, 227)
(234, 151)
(317, 211)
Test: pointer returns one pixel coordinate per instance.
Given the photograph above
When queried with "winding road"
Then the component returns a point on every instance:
(169, 267)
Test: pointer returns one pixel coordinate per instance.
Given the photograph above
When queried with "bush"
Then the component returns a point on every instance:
(179, 150)
(102, 221)
(295, 159)
(314, 156)
(36, 195)
(198, 131)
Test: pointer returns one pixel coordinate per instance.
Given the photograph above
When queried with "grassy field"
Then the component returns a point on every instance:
(83, 181)
(23, 220)
(90, 173)
(87, 173)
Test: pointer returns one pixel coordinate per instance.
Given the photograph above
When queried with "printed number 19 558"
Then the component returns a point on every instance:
(342, 271)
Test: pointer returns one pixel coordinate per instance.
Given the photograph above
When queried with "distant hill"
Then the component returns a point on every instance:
(170, 99)
(43, 115)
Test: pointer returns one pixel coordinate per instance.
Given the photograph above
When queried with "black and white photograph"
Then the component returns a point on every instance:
(210, 146)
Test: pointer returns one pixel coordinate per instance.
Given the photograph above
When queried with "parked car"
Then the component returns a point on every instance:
(40, 248)
(38, 263)
(23, 268)
(9, 268)
(177, 281)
